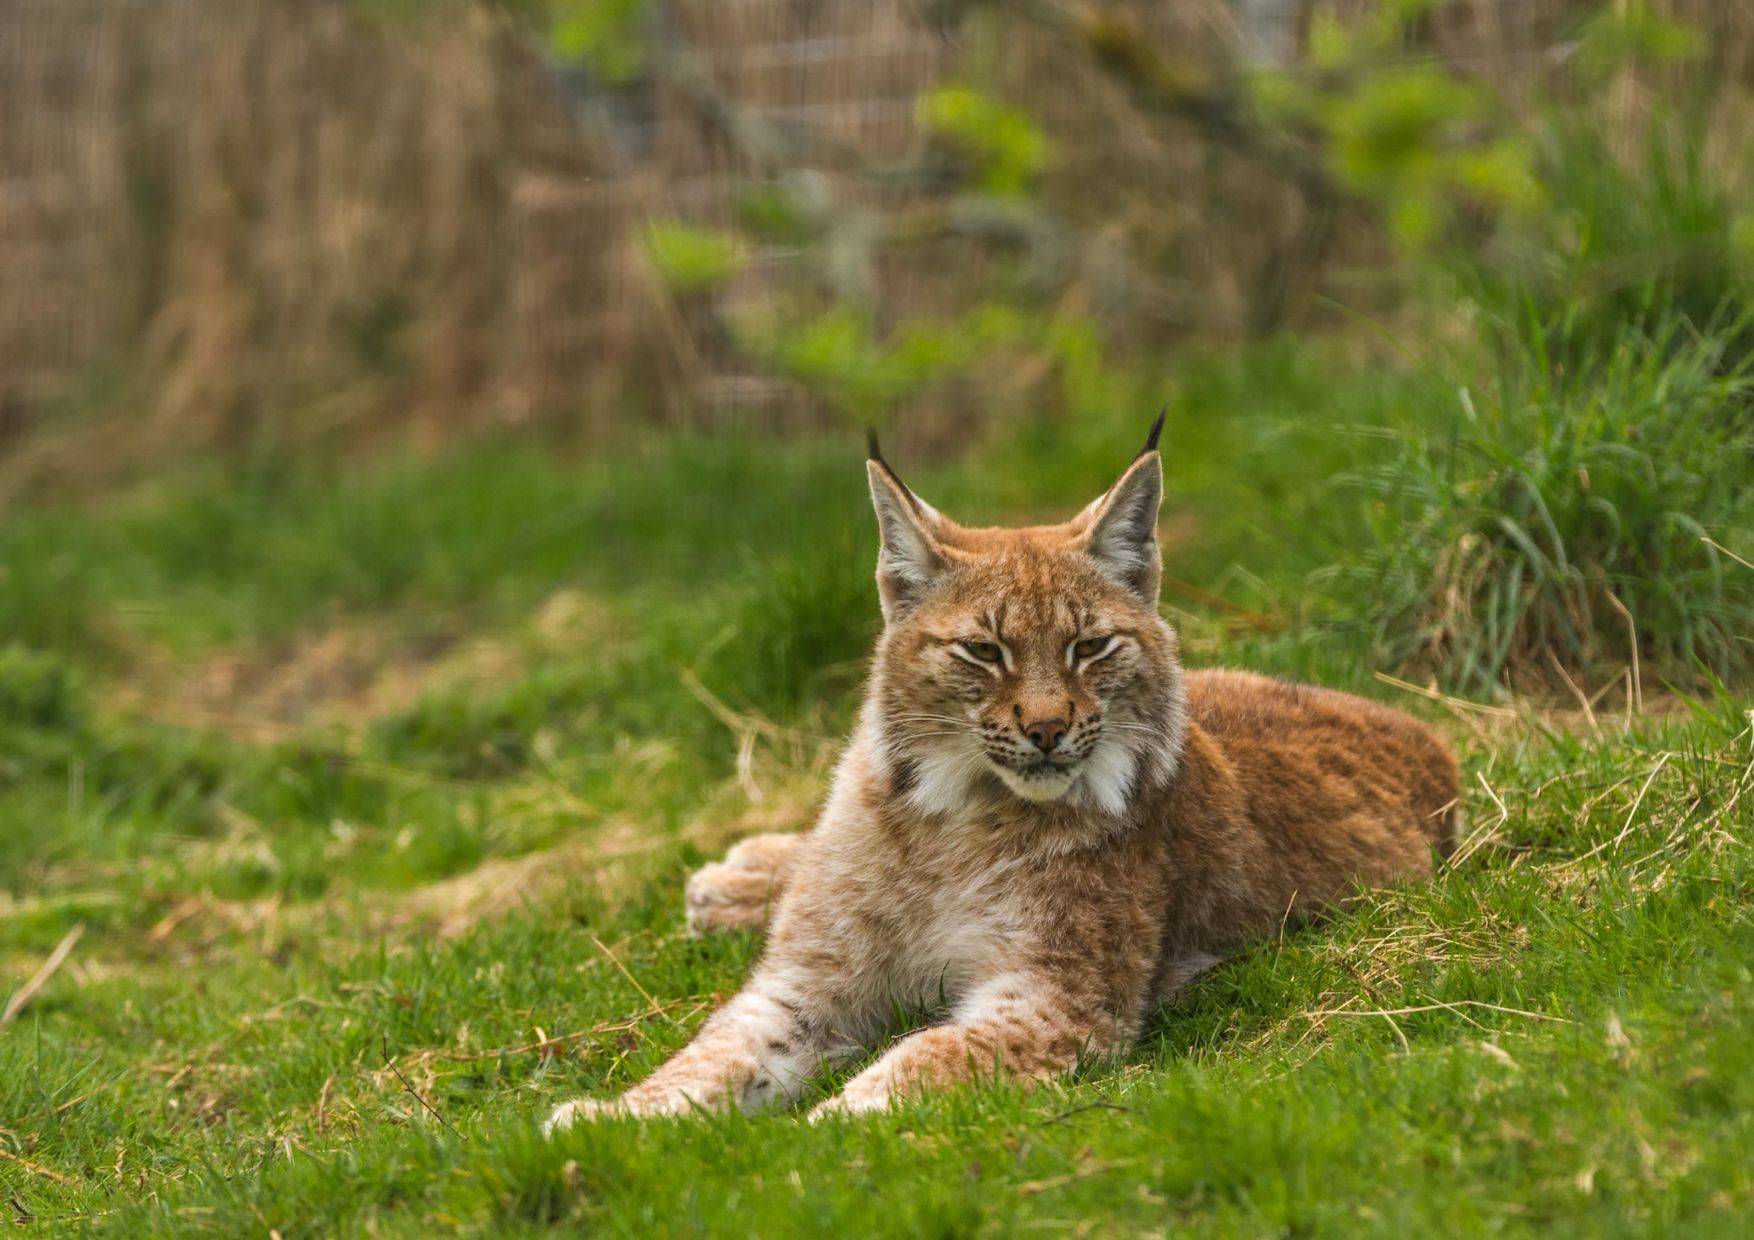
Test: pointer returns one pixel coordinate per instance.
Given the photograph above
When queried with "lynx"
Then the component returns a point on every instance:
(1042, 826)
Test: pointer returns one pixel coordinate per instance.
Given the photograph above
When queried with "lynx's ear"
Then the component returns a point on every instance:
(909, 560)
(1121, 527)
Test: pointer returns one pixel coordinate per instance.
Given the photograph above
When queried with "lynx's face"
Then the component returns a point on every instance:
(1025, 663)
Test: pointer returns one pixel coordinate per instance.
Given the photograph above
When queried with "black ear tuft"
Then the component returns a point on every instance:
(875, 455)
(1156, 430)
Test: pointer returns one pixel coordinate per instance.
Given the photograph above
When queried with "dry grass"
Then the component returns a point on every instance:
(347, 676)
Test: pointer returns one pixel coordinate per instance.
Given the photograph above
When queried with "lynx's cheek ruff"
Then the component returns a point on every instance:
(1041, 826)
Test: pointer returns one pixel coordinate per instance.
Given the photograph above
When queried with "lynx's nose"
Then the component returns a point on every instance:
(1045, 733)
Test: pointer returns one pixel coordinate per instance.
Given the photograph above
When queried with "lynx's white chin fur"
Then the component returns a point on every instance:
(1039, 783)
(1103, 781)
(947, 779)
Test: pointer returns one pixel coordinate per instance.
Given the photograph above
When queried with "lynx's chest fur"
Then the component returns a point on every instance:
(918, 916)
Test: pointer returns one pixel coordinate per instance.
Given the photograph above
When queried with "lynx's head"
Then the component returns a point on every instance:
(1024, 663)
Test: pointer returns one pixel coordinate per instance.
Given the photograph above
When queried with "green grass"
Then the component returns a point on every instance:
(1572, 515)
(291, 915)
(242, 1071)
(1627, 238)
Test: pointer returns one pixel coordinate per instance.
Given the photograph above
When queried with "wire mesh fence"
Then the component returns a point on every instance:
(215, 211)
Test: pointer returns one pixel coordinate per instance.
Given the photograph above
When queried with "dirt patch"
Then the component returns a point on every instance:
(498, 887)
(346, 676)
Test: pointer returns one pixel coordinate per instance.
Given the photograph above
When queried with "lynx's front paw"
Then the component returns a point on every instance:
(734, 894)
(858, 1098)
(567, 1114)
(638, 1103)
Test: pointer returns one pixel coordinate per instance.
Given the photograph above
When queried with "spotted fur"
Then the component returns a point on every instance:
(1041, 827)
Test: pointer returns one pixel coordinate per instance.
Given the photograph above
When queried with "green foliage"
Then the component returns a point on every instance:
(38, 690)
(609, 36)
(692, 260)
(1620, 245)
(1424, 144)
(1634, 33)
(1370, 32)
(788, 211)
(1004, 148)
(1550, 215)
(837, 353)
(1402, 138)
(1514, 535)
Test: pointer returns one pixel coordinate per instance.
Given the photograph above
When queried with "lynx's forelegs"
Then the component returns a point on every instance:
(735, 894)
(761, 1048)
(1019, 1024)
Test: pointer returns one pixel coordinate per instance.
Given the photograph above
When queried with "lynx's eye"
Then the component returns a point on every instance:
(1091, 647)
(986, 652)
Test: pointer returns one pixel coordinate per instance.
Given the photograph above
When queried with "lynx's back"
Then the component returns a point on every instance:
(1306, 753)
(1292, 796)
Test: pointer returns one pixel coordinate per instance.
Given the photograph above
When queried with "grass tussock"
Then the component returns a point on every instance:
(1577, 521)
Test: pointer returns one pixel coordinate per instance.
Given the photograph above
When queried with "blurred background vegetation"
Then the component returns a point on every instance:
(427, 309)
